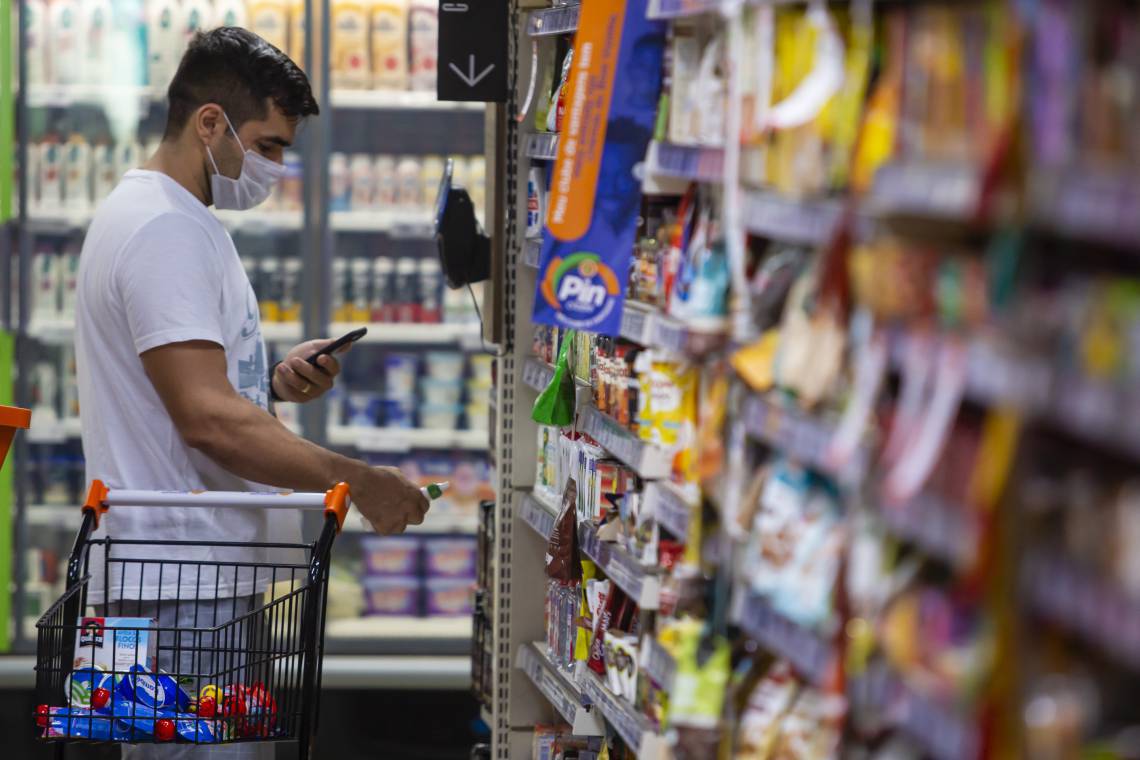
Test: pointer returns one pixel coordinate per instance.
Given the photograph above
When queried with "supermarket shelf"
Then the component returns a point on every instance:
(939, 727)
(1097, 610)
(403, 223)
(938, 527)
(381, 439)
(657, 662)
(803, 649)
(693, 162)
(542, 146)
(399, 635)
(281, 332)
(395, 333)
(633, 727)
(539, 514)
(261, 221)
(1002, 376)
(65, 96)
(56, 431)
(799, 435)
(339, 672)
(553, 21)
(443, 673)
(434, 522)
(537, 374)
(667, 9)
(672, 508)
(947, 191)
(645, 325)
(60, 331)
(532, 253)
(642, 584)
(1087, 204)
(62, 517)
(559, 690)
(805, 222)
(649, 461)
(397, 100)
(415, 223)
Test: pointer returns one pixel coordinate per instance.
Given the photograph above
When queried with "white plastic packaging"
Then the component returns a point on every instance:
(423, 20)
(229, 13)
(36, 34)
(387, 182)
(45, 283)
(63, 41)
(68, 279)
(128, 155)
(77, 175)
(196, 17)
(340, 188)
(165, 40)
(408, 193)
(362, 172)
(95, 62)
(51, 175)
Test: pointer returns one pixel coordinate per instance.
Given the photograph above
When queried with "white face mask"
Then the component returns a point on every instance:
(252, 186)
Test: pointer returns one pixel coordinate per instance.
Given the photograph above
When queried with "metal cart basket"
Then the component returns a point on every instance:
(183, 641)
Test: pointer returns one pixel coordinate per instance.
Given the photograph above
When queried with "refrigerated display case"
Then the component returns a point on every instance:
(344, 241)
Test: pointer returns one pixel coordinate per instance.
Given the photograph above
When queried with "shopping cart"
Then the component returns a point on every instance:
(199, 664)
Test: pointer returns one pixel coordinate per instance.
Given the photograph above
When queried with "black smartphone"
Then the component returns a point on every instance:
(338, 344)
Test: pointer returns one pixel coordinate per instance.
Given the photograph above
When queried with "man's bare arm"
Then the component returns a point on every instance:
(191, 380)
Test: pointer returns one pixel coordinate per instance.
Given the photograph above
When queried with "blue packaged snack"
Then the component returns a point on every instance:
(198, 730)
(83, 689)
(157, 690)
(78, 723)
(139, 719)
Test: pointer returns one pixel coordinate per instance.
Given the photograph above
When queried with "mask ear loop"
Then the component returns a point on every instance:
(210, 153)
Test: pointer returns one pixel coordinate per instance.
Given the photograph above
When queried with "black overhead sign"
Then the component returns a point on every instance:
(472, 62)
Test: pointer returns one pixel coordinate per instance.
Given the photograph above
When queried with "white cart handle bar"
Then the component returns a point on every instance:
(334, 502)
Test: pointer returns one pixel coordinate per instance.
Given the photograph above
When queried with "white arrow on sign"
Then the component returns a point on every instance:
(470, 78)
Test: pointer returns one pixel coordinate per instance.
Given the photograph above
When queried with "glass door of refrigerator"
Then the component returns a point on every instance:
(96, 74)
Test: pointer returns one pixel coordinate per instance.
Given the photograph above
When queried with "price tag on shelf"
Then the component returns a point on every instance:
(537, 516)
(620, 714)
(673, 512)
(657, 663)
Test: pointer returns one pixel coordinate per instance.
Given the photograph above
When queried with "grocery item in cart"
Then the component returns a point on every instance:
(114, 643)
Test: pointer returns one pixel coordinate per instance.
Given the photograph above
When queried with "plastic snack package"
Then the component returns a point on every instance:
(584, 621)
(555, 405)
(562, 555)
(813, 727)
(764, 710)
(558, 99)
(701, 680)
(621, 664)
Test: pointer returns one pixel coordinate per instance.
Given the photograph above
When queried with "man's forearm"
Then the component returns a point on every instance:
(252, 444)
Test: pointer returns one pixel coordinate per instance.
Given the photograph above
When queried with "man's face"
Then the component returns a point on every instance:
(269, 137)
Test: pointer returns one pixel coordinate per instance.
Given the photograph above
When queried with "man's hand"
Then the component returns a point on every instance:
(389, 501)
(298, 381)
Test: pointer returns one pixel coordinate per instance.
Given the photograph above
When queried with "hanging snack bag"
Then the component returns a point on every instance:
(562, 558)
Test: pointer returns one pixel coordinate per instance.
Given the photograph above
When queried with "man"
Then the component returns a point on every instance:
(172, 373)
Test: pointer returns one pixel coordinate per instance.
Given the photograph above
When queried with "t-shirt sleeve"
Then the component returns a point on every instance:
(169, 277)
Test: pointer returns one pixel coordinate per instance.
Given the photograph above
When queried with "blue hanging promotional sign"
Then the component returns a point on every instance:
(592, 208)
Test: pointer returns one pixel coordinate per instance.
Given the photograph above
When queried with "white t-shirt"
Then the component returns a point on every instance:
(157, 267)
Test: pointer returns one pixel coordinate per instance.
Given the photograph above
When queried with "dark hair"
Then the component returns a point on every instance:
(238, 70)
